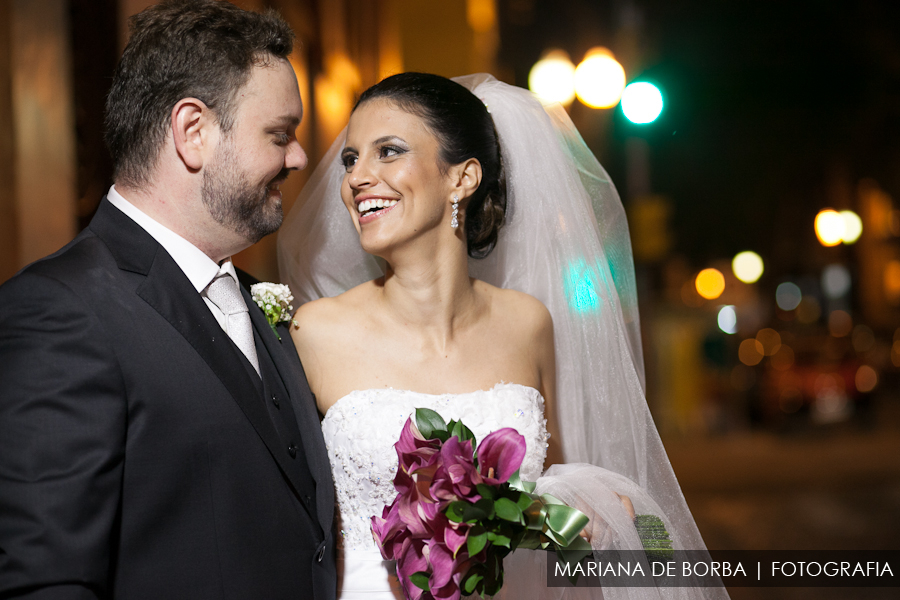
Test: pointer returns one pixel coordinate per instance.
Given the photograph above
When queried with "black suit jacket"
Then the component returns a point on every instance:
(138, 456)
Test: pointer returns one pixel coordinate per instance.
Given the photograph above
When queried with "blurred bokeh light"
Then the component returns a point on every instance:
(836, 281)
(727, 319)
(642, 102)
(599, 79)
(840, 323)
(788, 295)
(809, 310)
(710, 283)
(481, 15)
(863, 338)
(747, 266)
(829, 226)
(751, 352)
(783, 359)
(770, 340)
(553, 77)
(866, 379)
(892, 281)
(853, 226)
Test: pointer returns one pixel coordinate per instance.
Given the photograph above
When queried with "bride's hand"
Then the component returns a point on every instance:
(598, 533)
(627, 505)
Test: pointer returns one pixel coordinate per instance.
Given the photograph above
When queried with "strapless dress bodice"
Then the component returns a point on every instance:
(361, 429)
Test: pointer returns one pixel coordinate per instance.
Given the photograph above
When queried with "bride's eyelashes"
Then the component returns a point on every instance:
(348, 159)
(389, 151)
(386, 151)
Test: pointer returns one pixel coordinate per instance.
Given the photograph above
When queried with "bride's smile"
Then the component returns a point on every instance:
(396, 186)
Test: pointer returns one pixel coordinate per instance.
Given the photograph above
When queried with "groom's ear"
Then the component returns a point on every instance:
(194, 129)
(467, 177)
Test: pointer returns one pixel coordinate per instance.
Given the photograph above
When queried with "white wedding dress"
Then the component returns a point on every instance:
(360, 432)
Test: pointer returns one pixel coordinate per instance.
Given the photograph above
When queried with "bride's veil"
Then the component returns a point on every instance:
(566, 243)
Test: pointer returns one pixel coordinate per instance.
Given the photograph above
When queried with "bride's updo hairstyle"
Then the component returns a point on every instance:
(464, 130)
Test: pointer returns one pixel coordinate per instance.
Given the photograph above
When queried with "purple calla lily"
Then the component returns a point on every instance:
(413, 450)
(411, 560)
(457, 477)
(500, 455)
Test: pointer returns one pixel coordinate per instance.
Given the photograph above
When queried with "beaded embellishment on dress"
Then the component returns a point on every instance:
(361, 428)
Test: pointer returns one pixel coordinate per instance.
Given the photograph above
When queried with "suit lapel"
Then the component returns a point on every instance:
(287, 363)
(168, 291)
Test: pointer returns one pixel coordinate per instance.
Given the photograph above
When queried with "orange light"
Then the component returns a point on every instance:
(829, 227)
(892, 281)
(783, 359)
(866, 379)
(840, 323)
(710, 283)
(770, 340)
(809, 311)
(481, 15)
(750, 352)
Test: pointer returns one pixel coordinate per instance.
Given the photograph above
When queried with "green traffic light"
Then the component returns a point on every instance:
(642, 102)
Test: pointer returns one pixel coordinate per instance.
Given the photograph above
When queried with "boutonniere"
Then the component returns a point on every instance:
(275, 301)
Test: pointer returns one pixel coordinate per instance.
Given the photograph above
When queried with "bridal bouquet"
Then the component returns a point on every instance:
(458, 512)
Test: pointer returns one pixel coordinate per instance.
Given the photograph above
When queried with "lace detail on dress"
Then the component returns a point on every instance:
(361, 428)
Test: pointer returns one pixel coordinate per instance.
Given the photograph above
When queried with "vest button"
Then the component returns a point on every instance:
(276, 402)
(292, 450)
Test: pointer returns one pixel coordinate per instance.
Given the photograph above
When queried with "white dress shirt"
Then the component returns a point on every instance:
(199, 268)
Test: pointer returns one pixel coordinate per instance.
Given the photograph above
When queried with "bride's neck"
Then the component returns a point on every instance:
(431, 290)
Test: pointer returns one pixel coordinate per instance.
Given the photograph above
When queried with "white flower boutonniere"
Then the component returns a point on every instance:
(275, 301)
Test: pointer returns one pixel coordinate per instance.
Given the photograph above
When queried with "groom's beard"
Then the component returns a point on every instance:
(236, 204)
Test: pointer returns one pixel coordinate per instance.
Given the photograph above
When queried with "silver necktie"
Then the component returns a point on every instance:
(224, 293)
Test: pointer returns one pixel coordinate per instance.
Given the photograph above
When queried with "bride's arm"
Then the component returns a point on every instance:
(311, 334)
(546, 364)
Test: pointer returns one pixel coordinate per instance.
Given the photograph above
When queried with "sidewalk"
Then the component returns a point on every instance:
(828, 489)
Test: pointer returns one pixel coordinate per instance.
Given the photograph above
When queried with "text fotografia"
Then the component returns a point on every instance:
(730, 568)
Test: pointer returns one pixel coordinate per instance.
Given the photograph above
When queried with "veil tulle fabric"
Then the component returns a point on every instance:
(566, 243)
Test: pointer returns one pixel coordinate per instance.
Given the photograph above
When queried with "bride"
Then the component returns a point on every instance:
(478, 323)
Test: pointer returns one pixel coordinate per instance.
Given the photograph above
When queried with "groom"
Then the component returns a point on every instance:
(157, 439)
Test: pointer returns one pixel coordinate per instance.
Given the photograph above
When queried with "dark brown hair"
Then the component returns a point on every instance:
(202, 49)
(465, 130)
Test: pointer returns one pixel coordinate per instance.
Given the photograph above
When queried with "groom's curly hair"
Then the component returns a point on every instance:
(204, 49)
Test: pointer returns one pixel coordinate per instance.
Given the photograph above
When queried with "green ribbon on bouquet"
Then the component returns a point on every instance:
(553, 526)
(557, 527)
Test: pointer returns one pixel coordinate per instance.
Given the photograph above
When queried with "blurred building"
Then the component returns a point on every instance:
(57, 57)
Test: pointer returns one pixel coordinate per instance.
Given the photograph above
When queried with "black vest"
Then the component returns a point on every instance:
(278, 403)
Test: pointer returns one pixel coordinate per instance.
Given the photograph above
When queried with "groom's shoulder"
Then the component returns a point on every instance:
(69, 281)
(71, 263)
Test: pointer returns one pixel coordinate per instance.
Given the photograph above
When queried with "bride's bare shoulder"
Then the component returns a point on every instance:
(527, 313)
(325, 315)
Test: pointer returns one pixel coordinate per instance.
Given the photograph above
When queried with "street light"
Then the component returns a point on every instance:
(599, 79)
(852, 226)
(553, 78)
(747, 266)
(642, 102)
(710, 283)
(830, 227)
